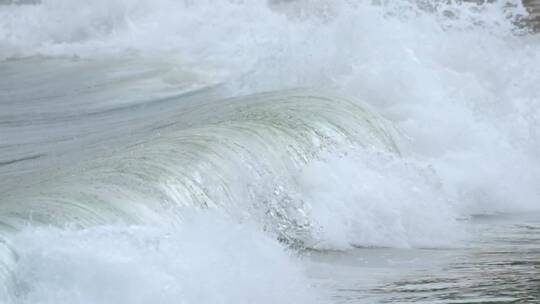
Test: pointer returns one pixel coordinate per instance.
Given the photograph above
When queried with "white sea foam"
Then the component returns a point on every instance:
(207, 259)
(375, 199)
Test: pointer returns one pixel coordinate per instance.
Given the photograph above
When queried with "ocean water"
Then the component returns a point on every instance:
(302, 151)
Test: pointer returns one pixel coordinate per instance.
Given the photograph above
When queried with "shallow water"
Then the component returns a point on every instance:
(498, 265)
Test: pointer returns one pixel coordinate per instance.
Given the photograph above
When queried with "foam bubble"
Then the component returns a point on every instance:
(208, 259)
(371, 198)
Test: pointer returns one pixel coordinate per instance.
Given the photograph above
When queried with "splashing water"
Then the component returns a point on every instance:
(141, 161)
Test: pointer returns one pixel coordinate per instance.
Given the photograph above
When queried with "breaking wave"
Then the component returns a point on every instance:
(188, 148)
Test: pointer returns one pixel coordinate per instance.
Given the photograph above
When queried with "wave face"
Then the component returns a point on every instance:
(193, 149)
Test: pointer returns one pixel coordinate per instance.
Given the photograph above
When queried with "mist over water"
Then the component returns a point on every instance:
(217, 151)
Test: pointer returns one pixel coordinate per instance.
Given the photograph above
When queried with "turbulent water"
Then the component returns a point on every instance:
(303, 151)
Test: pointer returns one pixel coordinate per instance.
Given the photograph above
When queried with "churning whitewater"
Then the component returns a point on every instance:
(276, 151)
